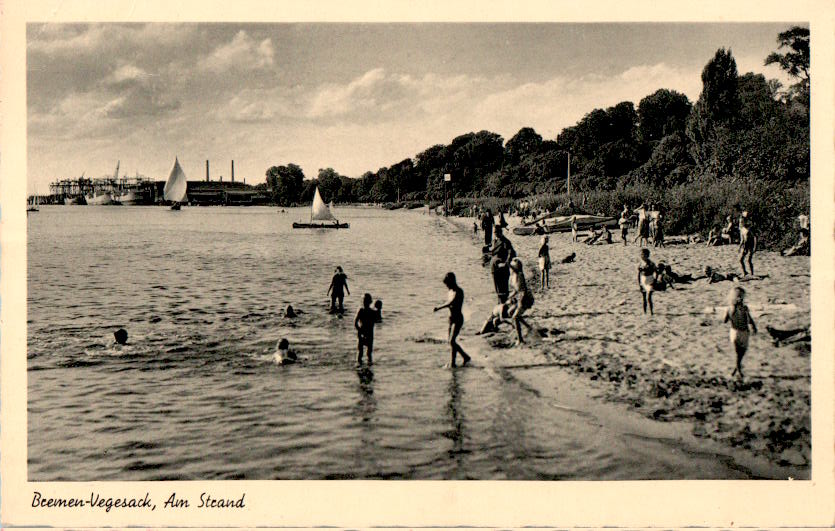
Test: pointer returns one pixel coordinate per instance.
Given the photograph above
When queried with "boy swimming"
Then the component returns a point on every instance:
(364, 324)
(283, 355)
(740, 318)
(456, 317)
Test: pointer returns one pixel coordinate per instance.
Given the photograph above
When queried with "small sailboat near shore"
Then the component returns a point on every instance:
(319, 211)
(175, 186)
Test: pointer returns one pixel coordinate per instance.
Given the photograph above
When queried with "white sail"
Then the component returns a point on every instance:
(320, 211)
(175, 187)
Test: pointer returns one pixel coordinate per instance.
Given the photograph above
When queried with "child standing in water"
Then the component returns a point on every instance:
(740, 317)
(338, 283)
(456, 317)
(544, 264)
(646, 279)
(364, 323)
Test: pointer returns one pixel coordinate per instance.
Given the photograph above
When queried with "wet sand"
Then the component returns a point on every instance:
(677, 364)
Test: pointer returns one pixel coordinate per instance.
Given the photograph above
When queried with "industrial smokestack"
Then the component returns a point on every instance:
(233, 170)
(207, 170)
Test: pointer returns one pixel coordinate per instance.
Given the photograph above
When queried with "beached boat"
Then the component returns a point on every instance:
(175, 186)
(563, 224)
(319, 211)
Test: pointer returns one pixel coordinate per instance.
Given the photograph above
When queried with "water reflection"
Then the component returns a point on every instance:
(457, 431)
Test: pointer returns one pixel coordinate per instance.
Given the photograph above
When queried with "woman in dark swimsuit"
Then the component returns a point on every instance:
(456, 318)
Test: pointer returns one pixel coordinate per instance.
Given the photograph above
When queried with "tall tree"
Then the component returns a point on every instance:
(662, 113)
(795, 61)
(286, 183)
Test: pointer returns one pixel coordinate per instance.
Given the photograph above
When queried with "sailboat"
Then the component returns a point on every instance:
(319, 211)
(33, 207)
(175, 187)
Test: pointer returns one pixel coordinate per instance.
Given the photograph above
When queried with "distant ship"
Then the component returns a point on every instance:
(130, 198)
(103, 198)
(77, 200)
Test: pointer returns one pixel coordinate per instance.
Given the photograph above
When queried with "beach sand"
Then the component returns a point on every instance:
(677, 364)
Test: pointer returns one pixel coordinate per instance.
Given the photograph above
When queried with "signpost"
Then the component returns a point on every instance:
(448, 185)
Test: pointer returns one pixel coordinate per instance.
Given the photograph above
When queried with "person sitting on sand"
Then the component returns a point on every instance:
(646, 279)
(544, 262)
(714, 236)
(339, 282)
(747, 243)
(283, 355)
(364, 324)
(378, 307)
(740, 319)
(727, 231)
(802, 245)
(520, 296)
(714, 277)
(456, 317)
(497, 316)
(568, 259)
(592, 238)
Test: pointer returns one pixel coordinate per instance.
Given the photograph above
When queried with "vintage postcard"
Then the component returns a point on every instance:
(381, 264)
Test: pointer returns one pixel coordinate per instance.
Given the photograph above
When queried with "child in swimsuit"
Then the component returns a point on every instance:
(740, 318)
(574, 228)
(623, 223)
(646, 279)
(519, 296)
(747, 243)
(456, 317)
(364, 323)
(544, 264)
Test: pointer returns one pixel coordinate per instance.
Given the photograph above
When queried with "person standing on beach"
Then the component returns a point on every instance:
(339, 282)
(520, 297)
(623, 222)
(501, 252)
(574, 229)
(364, 324)
(643, 226)
(658, 236)
(487, 227)
(456, 317)
(646, 279)
(740, 318)
(747, 243)
(544, 264)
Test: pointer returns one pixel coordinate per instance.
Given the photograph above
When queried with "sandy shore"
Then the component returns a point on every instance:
(675, 365)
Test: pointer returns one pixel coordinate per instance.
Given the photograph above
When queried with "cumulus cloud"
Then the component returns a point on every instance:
(241, 53)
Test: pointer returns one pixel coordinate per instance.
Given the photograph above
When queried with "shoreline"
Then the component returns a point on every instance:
(673, 368)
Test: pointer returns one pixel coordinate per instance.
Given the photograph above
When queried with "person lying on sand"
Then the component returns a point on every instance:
(740, 319)
(714, 277)
(570, 258)
(283, 355)
(646, 279)
(786, 337)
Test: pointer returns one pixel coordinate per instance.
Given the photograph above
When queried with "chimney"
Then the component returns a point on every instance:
(221, 178)
(207, 170)
(233, 170)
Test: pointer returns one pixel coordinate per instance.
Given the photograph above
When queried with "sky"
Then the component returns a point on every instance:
(354, 97)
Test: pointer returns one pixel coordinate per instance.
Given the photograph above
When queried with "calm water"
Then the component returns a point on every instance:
(196, 394)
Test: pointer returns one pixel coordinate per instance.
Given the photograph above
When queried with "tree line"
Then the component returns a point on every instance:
(742, 127)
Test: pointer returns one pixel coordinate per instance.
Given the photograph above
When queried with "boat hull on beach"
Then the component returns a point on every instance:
(563, 224)
(321, 225)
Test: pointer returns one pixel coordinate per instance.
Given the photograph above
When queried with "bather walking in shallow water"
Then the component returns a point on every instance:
(456, 317)
(364, 324)
(339, 282)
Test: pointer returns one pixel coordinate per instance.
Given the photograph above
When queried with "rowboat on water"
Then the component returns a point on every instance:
(563, 224)
(319, 211)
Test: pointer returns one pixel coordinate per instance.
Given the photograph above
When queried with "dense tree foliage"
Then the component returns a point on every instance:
(740, 128)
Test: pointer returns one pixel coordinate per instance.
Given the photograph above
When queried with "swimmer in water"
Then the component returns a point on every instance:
(283, 355)
(338, 283)
(378, 307)
(121, 336)
(364, 324)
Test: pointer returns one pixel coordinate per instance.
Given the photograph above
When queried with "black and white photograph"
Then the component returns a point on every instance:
(536, 251)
